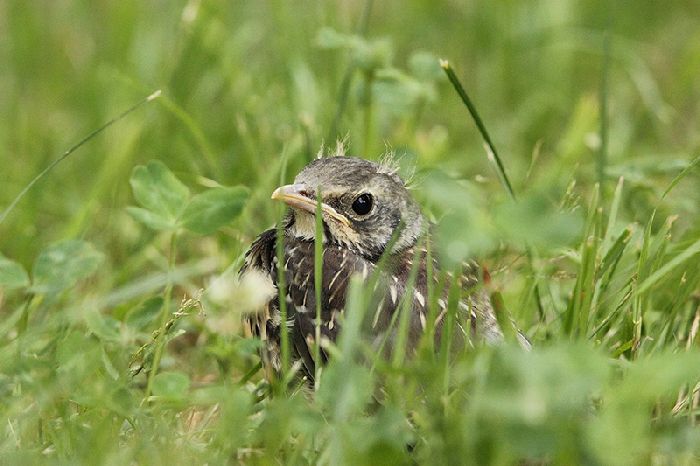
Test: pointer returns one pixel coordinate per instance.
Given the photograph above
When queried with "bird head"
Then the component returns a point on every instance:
(362, 204)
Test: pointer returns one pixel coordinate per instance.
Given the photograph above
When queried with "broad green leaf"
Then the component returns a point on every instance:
(12, 274)
(63, 264)
(158, 190)
(171, 385)
(152, 219)
(213, 209)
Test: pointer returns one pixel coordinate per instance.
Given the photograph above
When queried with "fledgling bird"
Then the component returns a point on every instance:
(363, 205)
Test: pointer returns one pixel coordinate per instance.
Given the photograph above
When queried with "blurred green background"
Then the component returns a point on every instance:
(250, 92)
(246, 81)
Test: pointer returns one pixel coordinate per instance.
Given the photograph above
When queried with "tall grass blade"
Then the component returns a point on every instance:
(490, 148)
(493, 156)
(659, 274)
(602, 158)
(612, 217)
(164, 315)
(680, 176)
(282, 293)
(453, 298)
(72, 149)
(318, 284)
(405, 309)
(282, 283)
(579, 307)
(612, 257)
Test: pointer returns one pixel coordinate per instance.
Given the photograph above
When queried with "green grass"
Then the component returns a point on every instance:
(120, 311)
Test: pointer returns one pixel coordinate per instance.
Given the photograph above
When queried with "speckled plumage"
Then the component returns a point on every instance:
(352, 245)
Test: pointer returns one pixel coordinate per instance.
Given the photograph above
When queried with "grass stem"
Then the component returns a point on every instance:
(604, 118)
(72, 149)
(496, 160)
(165, 313)
(491, 148)
(282, 290)
(318, 285)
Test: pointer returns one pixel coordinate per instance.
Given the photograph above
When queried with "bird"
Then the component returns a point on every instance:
(368, 216)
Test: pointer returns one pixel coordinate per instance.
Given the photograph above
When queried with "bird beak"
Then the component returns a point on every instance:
(296, 196)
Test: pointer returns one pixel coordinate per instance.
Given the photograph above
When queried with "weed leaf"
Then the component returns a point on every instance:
(172, 386)
(63, 264)
(160, 192)
(12, 274)
(152, 220)
(213, 209)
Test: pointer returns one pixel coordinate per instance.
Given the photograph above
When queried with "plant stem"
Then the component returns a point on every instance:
(500, 168)
(493, 154)
(282, 287)
(72, 149)
(282, 280)
(604, 121)
(318, 283)
(165, 313)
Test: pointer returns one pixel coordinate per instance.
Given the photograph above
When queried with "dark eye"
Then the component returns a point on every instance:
(362, 204)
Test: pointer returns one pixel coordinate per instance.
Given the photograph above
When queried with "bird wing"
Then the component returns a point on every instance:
(339, 265)
(260, 258)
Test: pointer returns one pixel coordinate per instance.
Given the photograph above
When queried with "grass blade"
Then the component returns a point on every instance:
(318, 283)
(490, 148)
(493, 157)
(405, 309)
(282, 283)
(578, 310)
(282, 291)
(165, 314)
(612, 218)
(681, 175)
(72, 149)
(602, 158)
(655, 277)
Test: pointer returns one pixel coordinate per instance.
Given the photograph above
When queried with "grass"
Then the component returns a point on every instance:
(120, 310)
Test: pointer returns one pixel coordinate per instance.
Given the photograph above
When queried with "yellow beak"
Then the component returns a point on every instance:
(295, 196)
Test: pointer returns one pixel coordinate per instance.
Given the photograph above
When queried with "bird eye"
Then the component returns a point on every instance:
(362, 204)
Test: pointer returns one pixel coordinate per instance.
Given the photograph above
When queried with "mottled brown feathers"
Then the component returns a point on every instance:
(353, 243)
